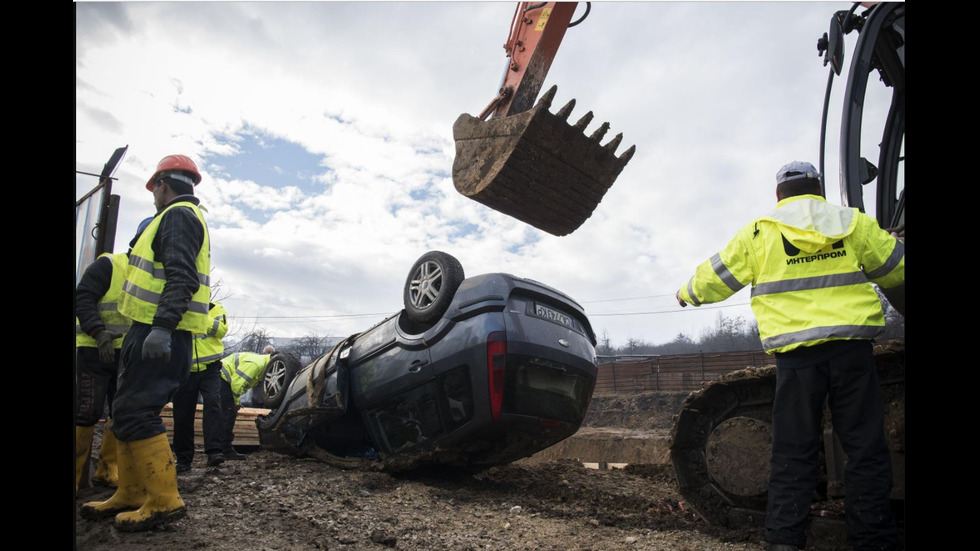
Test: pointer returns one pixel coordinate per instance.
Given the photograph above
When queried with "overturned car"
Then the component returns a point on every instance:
(472, 373)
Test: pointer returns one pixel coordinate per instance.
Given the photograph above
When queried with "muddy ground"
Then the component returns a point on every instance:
(274, 502)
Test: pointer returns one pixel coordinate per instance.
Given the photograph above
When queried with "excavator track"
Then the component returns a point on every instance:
(536, 167)
(722, 440)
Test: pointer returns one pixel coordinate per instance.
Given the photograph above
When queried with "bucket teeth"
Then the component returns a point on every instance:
(600, 132)
(614, 143)
(547, 98)
(628, 154)
(565, 111)
(597, 135)
(584, 121)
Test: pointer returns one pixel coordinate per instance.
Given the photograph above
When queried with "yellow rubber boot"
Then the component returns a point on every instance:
(83, 447)
(156, 469)
(129, 494)
(107, 472)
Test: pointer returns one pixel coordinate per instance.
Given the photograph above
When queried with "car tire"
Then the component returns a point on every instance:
(276, 378)
(431, 285)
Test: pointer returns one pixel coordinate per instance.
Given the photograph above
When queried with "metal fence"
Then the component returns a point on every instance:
(672, 373)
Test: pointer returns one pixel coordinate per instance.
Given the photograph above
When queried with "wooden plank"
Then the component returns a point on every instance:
(246, 433)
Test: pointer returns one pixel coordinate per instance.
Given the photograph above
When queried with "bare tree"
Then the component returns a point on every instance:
(254, 341)
(631, 345)
(682, 344)
(220, 294)
(604, 348)
(307, 348)
(731, 334)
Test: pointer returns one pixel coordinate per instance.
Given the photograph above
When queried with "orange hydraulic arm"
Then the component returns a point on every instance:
(536, 32)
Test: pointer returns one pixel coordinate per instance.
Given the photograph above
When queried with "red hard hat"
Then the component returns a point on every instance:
(175, 162)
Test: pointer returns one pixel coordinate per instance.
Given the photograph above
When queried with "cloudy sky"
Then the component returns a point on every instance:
(323, 131)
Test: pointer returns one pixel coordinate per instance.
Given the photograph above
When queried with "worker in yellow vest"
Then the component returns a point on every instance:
(811, 266)
(99, 332)
(204, 381)
(239, 372)
(166, 294)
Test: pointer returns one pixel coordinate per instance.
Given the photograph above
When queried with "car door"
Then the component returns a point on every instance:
(391, 384)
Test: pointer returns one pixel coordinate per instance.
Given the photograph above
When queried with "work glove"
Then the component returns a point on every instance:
(156, 346)
(103, 339)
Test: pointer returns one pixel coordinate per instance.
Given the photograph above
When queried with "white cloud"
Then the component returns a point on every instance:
(716, 96)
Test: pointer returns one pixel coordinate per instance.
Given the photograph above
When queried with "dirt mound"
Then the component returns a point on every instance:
(638, 411)
(273, 502)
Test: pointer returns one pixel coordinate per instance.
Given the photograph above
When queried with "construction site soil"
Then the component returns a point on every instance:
(553, 500)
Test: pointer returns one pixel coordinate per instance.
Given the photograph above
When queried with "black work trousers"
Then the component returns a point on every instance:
(229, 413)
(95, 383)
(849, 384)
(143, 387)
(207, 384)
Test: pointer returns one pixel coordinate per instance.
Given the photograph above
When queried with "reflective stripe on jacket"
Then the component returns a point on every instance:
(208, 347)
(811, 265)
(243, 371)
(109, 306)
(145, 278)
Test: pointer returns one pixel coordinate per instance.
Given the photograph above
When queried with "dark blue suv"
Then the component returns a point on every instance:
(472, 373)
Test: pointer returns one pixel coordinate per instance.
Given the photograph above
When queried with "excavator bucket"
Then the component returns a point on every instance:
(536, 167)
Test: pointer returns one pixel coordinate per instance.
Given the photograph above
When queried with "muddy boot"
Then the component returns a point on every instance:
(155, 469)
(83, 447)
(215, 459)
(107, 473)
(231, 454)
(129, 494)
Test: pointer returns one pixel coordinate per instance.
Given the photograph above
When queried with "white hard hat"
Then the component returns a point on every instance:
(796, 170)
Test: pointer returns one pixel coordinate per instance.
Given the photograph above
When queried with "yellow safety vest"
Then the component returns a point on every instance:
(243, 371)
(109, 306)
(811, 265)
(145, 278)
(208, 347)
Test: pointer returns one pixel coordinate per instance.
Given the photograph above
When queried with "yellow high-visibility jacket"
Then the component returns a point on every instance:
(109, 306)
(145, 278)
(811, 265)
(208, 347)
(243, 371)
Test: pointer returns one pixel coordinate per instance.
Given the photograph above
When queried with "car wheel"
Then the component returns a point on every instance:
(430, 286)
(276, 379)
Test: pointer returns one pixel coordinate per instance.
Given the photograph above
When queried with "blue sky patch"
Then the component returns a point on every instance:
(268, 161)
(421, 194)
(463, 229)
(530, 238)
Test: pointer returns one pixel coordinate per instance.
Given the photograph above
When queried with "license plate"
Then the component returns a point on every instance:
(550, 314)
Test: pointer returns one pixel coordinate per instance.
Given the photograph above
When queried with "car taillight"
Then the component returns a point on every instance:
(496, 360)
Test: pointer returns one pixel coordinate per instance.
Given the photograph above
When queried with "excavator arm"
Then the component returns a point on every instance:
(525, 161)
(536, 33)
